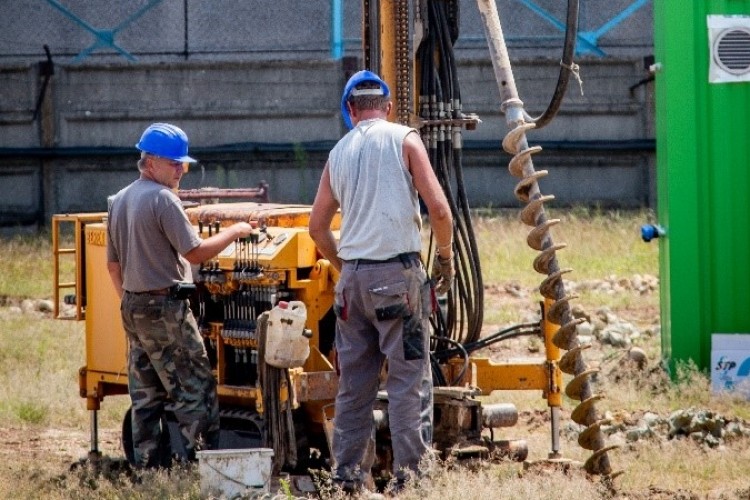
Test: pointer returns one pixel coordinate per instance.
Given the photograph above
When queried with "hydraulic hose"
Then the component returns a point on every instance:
(440, 108)
(567, 66)
(508, 333)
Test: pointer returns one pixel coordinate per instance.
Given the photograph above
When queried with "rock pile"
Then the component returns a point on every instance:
(705, 427)
(608, 328)
(39, 307)
(642, 284)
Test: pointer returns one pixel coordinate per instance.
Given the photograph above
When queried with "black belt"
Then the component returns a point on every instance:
(161, 291)
(405, 258)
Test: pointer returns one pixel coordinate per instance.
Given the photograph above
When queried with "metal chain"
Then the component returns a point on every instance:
(403, 62)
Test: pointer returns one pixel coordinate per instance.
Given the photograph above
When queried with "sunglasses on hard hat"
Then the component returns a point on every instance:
(172, 163)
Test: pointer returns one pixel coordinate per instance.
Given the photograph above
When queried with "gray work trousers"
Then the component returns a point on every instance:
(382, 314)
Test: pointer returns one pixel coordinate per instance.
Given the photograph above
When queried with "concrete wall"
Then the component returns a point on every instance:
(218, 103)
(255, 87)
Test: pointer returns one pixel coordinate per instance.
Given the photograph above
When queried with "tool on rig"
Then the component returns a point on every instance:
(288, 406)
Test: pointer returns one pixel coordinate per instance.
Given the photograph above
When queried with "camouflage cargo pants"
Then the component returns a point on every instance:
(168, 369)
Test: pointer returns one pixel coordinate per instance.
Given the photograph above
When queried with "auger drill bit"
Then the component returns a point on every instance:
(527, 190)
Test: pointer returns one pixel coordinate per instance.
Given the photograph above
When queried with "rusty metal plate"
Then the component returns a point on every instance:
(316, 386)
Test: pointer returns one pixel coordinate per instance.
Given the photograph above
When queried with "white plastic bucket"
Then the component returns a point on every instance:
(235, 473)
(286, 345)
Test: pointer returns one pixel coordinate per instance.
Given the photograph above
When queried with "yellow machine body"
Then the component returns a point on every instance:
(288, 259)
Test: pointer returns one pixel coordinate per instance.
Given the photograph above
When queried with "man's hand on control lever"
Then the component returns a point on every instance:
(243, 229)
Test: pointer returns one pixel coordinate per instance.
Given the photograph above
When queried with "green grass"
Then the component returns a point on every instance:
(599, 244)
(39, 361)
(28, 265)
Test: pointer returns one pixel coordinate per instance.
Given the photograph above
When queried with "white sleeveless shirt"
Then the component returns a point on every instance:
(374, 188)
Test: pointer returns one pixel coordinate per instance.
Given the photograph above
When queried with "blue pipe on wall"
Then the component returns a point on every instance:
(337, 28)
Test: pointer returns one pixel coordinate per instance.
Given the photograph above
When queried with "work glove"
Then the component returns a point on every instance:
(442, 274)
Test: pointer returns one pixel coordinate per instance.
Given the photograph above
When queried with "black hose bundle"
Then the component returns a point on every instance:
(460, 318)
(458, 321)
(277, 414)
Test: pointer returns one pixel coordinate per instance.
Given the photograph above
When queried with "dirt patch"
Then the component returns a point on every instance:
(62, 445)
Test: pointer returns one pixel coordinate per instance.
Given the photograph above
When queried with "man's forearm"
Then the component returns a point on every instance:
(326, 244)
(210, 247)
(115, 274)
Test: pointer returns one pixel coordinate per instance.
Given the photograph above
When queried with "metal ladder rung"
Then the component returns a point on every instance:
(79, 222)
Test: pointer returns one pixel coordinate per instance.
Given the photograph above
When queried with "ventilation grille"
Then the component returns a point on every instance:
(733, 50)
(729, 43)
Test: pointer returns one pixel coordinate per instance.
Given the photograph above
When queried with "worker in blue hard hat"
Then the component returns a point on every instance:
(166, 143)
(383, 300)
(151, 245)
(357, 80)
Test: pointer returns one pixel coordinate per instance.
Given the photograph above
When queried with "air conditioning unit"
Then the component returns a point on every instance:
(729, 48)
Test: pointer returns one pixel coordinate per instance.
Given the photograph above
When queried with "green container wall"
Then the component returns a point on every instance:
(703, 183)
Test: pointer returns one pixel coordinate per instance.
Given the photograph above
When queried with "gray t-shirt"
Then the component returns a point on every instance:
(148, 232)
(379, 204)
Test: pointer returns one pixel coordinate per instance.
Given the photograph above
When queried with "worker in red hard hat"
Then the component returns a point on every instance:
(150, 247)
(375, 175)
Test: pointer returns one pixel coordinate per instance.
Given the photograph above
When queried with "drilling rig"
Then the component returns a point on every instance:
(287, 405)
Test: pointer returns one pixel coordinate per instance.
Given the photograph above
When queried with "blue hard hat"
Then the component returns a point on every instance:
(356, 79)
(165, 140)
